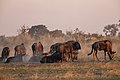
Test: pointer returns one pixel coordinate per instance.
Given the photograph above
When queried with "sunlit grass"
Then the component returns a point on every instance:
(61, 71)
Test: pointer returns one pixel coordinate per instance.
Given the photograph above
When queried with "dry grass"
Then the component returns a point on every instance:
(61, 71)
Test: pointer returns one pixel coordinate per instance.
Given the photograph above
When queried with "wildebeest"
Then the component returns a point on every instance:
(5, 54)
(20, 51)
(37, 48)
(104, 45)
(52, 58)
(61, 48)
(74, 49)
(55, 48)
(17, 58)
(66, 49)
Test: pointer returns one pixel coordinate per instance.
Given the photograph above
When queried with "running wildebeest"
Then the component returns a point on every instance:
(104, 45)
(5, 54)
(37, 48)
(20, 51)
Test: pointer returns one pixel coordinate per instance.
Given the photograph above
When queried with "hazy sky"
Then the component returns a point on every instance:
(87, 15)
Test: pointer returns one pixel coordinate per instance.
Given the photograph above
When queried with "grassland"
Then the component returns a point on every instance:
(84, 69)
(61, 71)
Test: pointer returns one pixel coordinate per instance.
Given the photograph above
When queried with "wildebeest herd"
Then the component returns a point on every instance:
(59, 52)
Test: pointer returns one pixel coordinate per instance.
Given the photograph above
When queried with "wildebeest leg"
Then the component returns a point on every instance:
(68, 55)
(109, 55)
(75, 56)
(96, 55)
(33, 52)
(72, 56)
(61, 57)
(108, 52)
(15, 53)
(105, 55)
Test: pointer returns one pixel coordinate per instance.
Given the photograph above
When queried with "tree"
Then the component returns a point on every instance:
(78, 35)
(38, 30)
(56, 33)
(23, 29)
(111, 29)
(2, 38)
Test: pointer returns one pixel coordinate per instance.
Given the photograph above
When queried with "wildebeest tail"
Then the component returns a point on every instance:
(90, 52)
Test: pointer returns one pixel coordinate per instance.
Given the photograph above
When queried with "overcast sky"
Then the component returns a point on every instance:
(87, 15)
